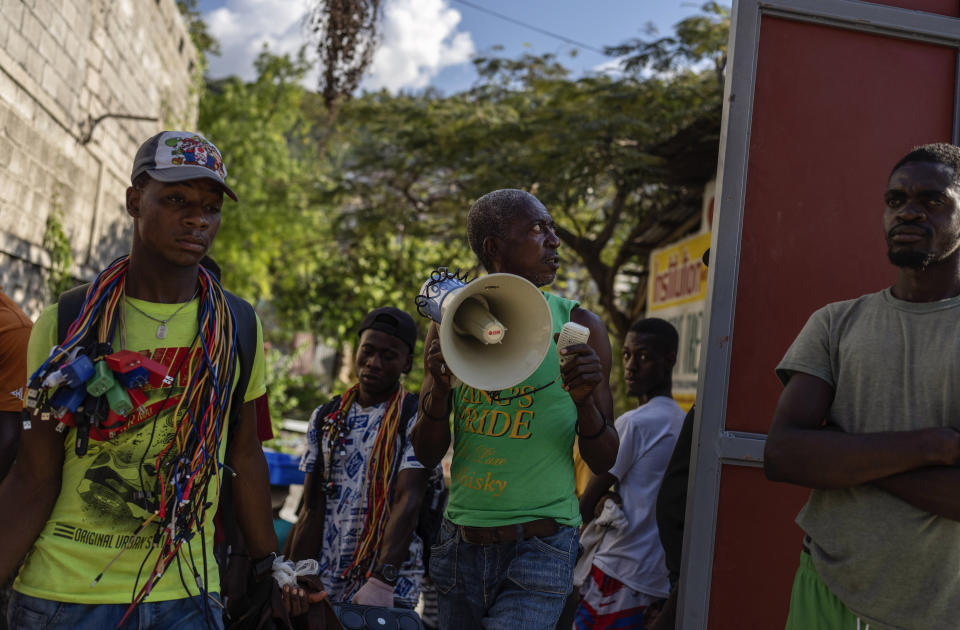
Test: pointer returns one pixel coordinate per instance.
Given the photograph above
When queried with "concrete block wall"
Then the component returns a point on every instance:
(63, 65)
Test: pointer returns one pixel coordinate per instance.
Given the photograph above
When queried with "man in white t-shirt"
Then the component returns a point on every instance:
(629, 580)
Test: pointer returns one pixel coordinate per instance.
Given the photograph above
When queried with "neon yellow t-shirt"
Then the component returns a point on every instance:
(97, 510)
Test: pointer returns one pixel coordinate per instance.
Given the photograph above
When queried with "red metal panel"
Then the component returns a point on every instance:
(833, 111)
(756, 553)
(943, 7)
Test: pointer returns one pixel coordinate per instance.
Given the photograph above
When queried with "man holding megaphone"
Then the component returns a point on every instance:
(505, 554)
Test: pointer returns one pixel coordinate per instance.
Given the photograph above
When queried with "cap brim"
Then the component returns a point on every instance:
(187, 172)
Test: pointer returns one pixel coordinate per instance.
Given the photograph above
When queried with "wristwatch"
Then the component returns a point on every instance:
(263, 566)
(387, 573)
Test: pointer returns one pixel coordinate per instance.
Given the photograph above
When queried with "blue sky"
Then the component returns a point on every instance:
(431, 42)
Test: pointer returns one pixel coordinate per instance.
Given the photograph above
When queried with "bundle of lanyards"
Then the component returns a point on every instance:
(379, 478)
(85, 384)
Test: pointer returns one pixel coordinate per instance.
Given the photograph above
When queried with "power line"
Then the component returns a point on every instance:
(532, 27)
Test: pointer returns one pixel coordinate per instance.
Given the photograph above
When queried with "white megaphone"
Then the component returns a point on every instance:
(494, 331)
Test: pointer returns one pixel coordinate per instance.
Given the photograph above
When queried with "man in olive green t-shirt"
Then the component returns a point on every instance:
(868, 419)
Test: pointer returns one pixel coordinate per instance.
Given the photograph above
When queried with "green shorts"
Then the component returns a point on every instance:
(814, 607)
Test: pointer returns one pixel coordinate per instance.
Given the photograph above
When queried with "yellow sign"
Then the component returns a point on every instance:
(677, 275)
(678, 293)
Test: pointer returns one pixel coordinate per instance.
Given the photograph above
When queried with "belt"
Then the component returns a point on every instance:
(509, 533)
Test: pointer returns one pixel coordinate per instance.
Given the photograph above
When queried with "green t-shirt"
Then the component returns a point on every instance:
(97, 511)
(513, 461)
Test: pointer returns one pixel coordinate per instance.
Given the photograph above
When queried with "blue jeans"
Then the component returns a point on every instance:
(32, 613)
(519, 585)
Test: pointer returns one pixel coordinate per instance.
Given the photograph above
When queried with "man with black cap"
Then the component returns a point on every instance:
(136, 401)
(364, 485)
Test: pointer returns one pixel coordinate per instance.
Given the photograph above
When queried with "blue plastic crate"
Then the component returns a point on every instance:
(283, 468)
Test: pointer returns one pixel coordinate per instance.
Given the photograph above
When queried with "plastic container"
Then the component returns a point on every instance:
(283, 468)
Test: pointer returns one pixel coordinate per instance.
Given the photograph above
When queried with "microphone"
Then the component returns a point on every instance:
(474, 318)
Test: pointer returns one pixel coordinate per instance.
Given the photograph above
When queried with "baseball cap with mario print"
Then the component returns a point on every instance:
(176, 156)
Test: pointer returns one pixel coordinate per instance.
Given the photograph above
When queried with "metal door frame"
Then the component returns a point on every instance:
(714, 446)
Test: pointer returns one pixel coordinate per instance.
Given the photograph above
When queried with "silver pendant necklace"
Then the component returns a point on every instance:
(162, 328)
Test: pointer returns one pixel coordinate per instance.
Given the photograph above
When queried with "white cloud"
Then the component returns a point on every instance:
(419, 38)
(612, 67)
(243, 27)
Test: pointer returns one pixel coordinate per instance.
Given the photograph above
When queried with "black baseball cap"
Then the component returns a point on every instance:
(392, 321)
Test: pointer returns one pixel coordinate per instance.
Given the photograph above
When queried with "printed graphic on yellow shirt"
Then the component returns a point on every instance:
(94, 548)
(118, 484)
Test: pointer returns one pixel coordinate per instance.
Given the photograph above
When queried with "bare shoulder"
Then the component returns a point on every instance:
(599, 339)
(589, 319)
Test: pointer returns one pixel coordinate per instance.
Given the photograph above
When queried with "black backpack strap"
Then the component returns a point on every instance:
(324, 410)
(328, 407)
(68, 309)
(246, 351)
(246, 323)
(407, 412)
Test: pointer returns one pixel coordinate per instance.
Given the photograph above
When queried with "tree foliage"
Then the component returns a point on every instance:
(601, 152)
(272, 167)
(203, 41)
(57, 245)
(341, 214)
(697, 38)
